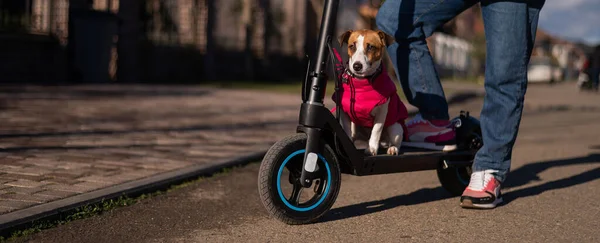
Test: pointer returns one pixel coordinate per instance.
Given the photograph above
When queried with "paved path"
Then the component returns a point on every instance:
(61, 142)
(551, 196)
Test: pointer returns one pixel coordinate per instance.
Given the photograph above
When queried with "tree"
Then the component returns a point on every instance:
(209, 56)
(127, 45)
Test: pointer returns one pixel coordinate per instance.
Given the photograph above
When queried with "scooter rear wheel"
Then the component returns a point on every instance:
(456, 179)
(281, 168)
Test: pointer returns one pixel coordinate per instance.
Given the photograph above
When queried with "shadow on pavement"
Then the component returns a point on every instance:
(529, 173)
(595, 147)
(519, 177)
(553, 185)
(416, 197)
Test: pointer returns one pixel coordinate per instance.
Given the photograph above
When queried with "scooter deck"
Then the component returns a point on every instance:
(413, 159)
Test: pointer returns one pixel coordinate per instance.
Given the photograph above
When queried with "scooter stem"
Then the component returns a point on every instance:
(318, 82)
(318, 79)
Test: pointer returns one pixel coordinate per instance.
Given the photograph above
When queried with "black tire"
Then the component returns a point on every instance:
(454, 180)
(271, 195)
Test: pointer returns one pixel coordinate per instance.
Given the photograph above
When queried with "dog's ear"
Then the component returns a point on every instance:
(344, 37)
(387, 39)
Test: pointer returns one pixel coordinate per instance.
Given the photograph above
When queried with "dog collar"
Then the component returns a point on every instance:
(370, 77)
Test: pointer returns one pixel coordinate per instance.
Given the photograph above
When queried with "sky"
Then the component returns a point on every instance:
(572, 19)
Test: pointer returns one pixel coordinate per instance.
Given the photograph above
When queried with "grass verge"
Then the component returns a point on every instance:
(91, 210)
(283, 87)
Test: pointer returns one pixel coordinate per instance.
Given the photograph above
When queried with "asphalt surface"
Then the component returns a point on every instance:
(551, 195)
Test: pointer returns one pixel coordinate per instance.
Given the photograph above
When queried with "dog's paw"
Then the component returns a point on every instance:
(392, 150)
(373, 148)
(373, 151)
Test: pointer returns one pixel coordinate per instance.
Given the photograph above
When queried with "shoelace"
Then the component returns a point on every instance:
(416, 120)
(478, 181)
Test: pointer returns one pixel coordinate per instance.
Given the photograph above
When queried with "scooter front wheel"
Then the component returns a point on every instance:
(279, 182)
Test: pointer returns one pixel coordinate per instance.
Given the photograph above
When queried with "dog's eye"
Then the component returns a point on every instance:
(351, 47)
(369, 47)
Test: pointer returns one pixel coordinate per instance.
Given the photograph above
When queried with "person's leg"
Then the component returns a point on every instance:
(510, 29)
(411, 22)
(595, 78)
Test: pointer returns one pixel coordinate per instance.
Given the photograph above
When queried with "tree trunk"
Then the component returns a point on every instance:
(313, 20)
(246, 32)
(209, 56)
(127, 46)
(267, 23)
(73, 74)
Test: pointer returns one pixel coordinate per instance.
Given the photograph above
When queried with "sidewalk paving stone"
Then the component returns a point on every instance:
(27, 183)
(4, 209)
(15, 204)
(55, 193)
(22, 190)
(62, 142)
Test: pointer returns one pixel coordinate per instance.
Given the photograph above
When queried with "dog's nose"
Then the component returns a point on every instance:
(357, 66)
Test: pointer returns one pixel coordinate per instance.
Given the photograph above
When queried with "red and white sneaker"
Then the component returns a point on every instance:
(435, 135)
(483, 191)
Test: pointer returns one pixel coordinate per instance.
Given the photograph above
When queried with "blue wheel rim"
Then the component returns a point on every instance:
(285, 201)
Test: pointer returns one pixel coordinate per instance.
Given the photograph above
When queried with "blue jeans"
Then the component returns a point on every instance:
(510, 28)
(595, 77)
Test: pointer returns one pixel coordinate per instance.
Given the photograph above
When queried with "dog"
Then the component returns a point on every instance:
(369, 99)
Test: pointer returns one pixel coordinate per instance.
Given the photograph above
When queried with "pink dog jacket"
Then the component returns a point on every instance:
(359, 97)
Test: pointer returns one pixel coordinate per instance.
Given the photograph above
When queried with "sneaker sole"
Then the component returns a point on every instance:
(470, 205)
(431, 146)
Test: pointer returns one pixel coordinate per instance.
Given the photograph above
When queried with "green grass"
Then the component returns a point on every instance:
(283, 87)
(295, 87)
(91, 210)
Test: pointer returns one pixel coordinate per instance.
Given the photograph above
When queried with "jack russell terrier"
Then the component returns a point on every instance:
(369, 99)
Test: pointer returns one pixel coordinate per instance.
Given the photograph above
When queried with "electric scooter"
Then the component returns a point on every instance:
(300, 175)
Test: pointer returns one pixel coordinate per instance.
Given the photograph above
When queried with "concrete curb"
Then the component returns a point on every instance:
(23, 218)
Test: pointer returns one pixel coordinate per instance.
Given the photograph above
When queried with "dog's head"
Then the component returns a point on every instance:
(365, 50)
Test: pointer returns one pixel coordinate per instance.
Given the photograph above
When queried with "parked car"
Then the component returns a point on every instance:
(542, 70)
